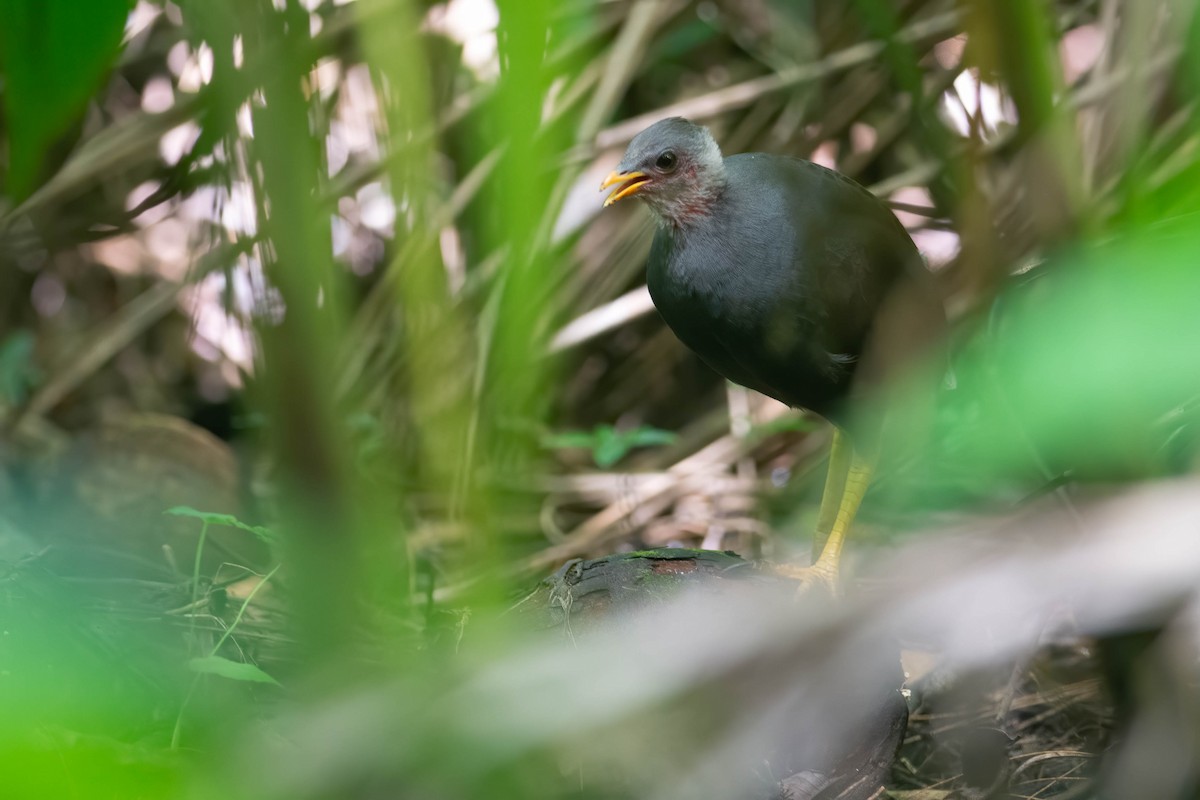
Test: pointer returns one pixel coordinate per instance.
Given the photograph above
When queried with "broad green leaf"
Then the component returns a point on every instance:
(234, 670)
(1085, 366)
(53, 56)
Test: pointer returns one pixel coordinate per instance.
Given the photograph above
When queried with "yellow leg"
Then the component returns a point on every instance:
(857, 479)
(840, 453)
(850, 470)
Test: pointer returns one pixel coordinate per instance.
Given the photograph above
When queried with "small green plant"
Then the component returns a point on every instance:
(212, 663)
(608, 444)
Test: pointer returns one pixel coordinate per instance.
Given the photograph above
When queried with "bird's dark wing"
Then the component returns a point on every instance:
(851, 250)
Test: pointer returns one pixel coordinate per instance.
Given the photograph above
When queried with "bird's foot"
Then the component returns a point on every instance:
(818, 578)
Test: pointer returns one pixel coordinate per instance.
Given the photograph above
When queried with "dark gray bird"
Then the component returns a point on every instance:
(787, 278)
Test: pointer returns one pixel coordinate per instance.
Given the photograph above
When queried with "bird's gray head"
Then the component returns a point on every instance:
(675, 166)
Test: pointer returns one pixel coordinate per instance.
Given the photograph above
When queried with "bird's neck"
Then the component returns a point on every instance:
(695, 204)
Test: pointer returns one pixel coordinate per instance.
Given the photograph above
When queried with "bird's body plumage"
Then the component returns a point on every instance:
(772, 288)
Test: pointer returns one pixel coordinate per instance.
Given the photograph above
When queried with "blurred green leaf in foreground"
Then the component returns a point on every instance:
(1090, 367)
(53, 55)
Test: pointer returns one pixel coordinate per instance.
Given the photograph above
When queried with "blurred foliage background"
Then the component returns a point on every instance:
(328, 282)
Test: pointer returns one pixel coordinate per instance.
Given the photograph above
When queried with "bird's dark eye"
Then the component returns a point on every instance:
(666, 160)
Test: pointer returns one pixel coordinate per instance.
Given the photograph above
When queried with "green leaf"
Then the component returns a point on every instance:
(568, 440)
(788, 423)
(610, 447)
(233, 670)
(208, 517)
(1084, 361)
(17, 371)
(53, 56)
(648, 436)
(224, 520)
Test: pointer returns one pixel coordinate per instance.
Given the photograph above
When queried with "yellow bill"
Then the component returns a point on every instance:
(627, 183)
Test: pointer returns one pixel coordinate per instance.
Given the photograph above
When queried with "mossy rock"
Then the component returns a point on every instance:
(102, 499)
